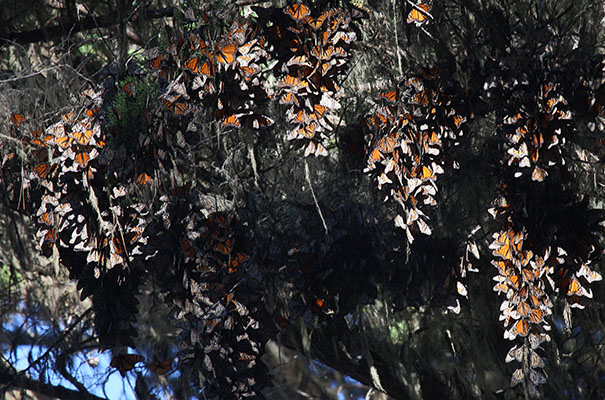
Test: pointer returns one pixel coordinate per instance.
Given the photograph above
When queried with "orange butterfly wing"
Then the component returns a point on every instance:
(298, 11)
(125, 362)
(226, 53)
(418, 17)
(17, 119)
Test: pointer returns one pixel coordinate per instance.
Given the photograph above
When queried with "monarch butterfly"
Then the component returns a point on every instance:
(193, 65)
(528, 274)
(346, 37)
(504, 251)
(536, 315)
(386, 144)
(143, 178)
(91, 112)
(520, 328)
(69, 117)
(301, 117)
(298, 11)
(417, 16)
(424, 227)
(515, 353)
(500, 287)
(225, 54)
(44, 169)
(374, 122)
(47, 218)
(160, 367)
(82, 138)
(82, 158)
(241, 309)
(339, 52)
(324, 67)
(299, 60)
(523, 308)
(38, 140)
(415, 82)
(429, 73)
(231, 120)
(322, 53)
(588, 274)
(390, 96)
(238, 34)
(63, 141)
(319, 303)
(517, 377)
(289, 98)
(536, 377)
(238, 259)
(282, 321)
(156, 62)
(538, 174)
(316, 23)
(295, 30)
(291, 81)
(133, 235)
(205, 84)
(249, 72)
(421, 98)
(311, 149)
(458, 120)
(535, 340)
(320, 150)
(535, 361)
(225, 248)
(219, 219)
(17, 119)
(576, 288)
(177, 108)
(244, 49)
(319, 111)
(125, 362)
(426, 173)
(245, 59)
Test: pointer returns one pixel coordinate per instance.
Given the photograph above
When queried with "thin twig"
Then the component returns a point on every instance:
(308, 177)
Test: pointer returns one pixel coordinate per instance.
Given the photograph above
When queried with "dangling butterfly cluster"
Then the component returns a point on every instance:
(314, 51)
(410, 130)
(220, 334)
(225, 74)
(521, 277)
(89, 228)
(535, 256)
(535, 142)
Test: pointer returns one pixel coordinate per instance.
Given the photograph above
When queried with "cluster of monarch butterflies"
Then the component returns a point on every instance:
(535, 262)
(224, 74)
(521, 277)
(313, 51)
(92, 230)
(218, 303)
(410, 130)
(535, 142)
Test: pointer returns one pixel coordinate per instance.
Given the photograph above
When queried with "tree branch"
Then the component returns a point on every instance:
(338, 358)
(9, 380)
(86, 23)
